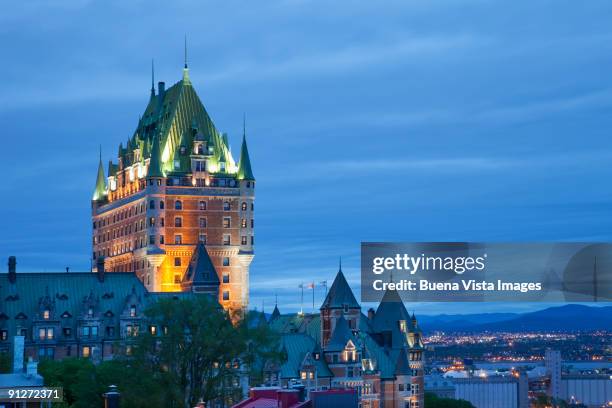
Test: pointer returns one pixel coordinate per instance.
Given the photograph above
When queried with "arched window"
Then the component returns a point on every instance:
(244, 206)
(202, 205)
(178, 205)
(161, 205)
(152, 205)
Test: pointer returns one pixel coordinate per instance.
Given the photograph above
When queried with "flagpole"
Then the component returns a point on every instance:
(302, 299)
(313, 287)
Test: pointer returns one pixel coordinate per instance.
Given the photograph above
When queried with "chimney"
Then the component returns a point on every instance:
(112, 397)
(100, 268)
(161, 90)
(12, 269)
(18, 350)
(371, 314)
(285, 398)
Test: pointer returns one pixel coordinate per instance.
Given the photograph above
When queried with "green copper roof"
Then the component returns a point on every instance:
(340, 294)
(244, 165)
(100, 190)
(155, 169)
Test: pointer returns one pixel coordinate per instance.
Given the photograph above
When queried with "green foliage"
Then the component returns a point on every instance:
(433, 401)
(196, 353)
(5, 363)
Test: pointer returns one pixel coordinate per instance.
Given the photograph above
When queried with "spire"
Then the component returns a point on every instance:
(155, 169)
(152, 78)
(244, 165)
(186, 51)
(100, 190)
(340, 265)
(186, 79)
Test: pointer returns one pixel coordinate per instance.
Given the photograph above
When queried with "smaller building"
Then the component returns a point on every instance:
(275, 397)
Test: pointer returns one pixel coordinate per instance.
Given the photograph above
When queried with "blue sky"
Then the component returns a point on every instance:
(407, 121)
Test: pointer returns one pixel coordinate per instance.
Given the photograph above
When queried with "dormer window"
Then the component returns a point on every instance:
(199, 149)
(222, 166)
(90, 312)
(46, 314)
(183, 150)
(133, 311)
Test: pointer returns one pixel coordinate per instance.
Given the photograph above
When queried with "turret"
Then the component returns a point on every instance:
(155, 169)
(244, 165)
(100, 190)
(340, 302)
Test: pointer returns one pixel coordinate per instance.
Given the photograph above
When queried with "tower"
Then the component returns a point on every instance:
(340, 303)
(175, 185)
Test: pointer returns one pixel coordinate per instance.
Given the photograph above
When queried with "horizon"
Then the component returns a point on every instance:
(475, 148)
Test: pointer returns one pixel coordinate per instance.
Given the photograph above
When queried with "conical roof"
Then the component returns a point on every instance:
(100, 190)
(275, 313)
(201, 271)
(244, 165)
(340, 294)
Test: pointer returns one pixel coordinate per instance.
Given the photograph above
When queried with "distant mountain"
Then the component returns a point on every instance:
(562, 318)
(448, 322)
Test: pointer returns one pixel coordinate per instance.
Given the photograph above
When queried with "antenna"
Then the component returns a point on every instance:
(243, 124)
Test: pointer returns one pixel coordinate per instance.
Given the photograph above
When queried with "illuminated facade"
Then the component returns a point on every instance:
(174, 185)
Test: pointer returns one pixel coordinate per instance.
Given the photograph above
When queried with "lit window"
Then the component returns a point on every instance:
(243, 240)
(243, 223)
(244, 206)
(46, 314)
(133, 311)
(153, 330)
(86, 352)
(226, 222)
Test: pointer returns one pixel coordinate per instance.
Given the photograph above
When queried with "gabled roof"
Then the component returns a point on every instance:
(201, 271)
(297, 345)
(341, 335)
(340, 294)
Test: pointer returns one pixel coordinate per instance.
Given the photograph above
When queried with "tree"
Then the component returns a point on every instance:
(433, 401)
(198, 352)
